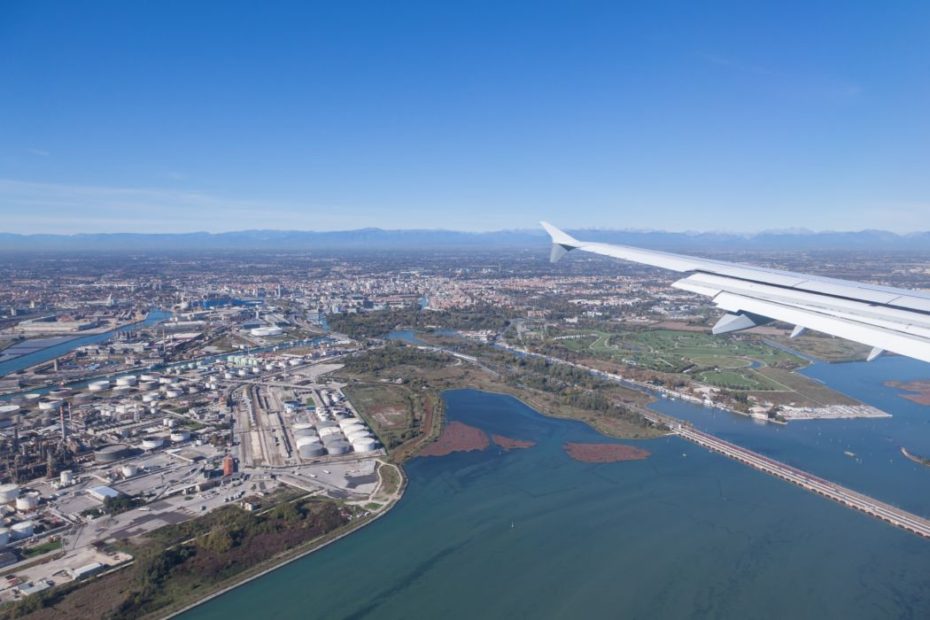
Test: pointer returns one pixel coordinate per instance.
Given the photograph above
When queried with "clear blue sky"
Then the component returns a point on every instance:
(182, 116)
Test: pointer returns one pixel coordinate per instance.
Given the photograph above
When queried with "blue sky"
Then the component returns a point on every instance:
(742, 116)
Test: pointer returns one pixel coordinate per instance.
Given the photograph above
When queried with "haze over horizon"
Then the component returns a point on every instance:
(171, 117)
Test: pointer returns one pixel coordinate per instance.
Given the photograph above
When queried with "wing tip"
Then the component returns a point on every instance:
(562, 242)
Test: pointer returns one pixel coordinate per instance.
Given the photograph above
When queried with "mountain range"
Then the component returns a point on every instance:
(380, 239)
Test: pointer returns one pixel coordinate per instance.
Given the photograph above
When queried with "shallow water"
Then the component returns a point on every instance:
(684, 533)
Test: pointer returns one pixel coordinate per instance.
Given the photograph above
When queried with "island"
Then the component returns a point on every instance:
(604, 452)
(457, 437)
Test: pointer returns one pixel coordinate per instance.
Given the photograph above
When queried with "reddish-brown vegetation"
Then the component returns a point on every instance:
(457, 437)
(508, 444)
(604, 452)
(920, 390)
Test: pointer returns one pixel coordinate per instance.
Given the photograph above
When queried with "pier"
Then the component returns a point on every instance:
(851, 499)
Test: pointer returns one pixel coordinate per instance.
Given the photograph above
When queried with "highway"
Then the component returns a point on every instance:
(847, 497)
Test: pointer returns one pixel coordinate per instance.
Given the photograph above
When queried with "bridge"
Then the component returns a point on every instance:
(851, 499)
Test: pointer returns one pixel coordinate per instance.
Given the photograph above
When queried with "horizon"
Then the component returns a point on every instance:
(535, 231)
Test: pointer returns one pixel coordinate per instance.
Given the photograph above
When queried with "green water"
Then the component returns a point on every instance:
(533, 534)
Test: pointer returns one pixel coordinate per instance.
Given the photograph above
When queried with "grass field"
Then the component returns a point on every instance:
(716, 360)
(388, 408)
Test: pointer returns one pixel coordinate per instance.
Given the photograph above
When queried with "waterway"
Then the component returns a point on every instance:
(62, 348)
(684, 533)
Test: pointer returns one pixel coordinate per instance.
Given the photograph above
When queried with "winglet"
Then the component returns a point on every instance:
(561, 242)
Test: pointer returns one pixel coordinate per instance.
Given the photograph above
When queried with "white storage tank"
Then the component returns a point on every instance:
(172, 393)
(359, 435)
(28, 502)
(329, 430)
(23, 529)
(66, 477)
(8, 493)
(303, 441)
(310, 451)
(49, 405)
(169, 422)
(148, 377)
(180, 436)
(365, 445)
(338, 447)
(152, 443)
(129, 470)
(99, 386)
(126, 380)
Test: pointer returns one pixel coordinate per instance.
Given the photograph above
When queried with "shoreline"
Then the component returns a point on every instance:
(301, 554)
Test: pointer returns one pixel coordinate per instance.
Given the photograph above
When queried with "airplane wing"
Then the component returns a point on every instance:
(882, 317)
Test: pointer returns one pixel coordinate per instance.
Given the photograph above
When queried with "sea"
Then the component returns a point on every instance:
(532, 533)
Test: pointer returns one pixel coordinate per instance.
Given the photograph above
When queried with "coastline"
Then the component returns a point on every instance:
(284, 561)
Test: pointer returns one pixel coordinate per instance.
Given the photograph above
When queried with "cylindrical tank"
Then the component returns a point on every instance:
(310, 451)
(66, 477)
(172, 393)
(8, 493)
(23, 529)
(169, 422)
(303, 441)
(152, 443)
(151, 397)
(28, 502)
(359, 435)
(329, 430)
(4, 536)
(110, 454)
(49, 405)
(122, 389)
(180, 436)
(129, 470)
(99, 386)
(365, 445)
(305, 432)
(302, 425)
(338, 447)
(127, 380)
(148, 377)
(8, 411)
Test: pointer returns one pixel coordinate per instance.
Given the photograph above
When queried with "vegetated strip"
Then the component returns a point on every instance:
(508, 443)
(604, 452)
(457, 437)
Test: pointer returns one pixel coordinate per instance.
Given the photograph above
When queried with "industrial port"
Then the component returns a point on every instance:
(116, 458)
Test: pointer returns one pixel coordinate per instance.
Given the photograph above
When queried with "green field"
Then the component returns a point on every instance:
(387, 408)
(722, 361)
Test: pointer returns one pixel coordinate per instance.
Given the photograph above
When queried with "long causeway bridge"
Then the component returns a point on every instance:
(847, 497)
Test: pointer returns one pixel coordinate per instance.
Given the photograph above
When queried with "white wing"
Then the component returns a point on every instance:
(882, 317)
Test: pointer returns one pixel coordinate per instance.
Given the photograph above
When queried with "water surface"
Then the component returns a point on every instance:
(534, 534)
